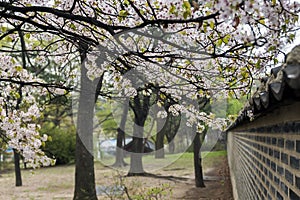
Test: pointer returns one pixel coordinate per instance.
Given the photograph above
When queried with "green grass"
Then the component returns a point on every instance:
(214, 154)
(170, 162)
(213, 159)
(209, 159)
(174, 161)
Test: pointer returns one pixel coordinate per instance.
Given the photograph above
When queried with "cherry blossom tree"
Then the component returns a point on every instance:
(19, 114)
(188, 48)
(23, 97)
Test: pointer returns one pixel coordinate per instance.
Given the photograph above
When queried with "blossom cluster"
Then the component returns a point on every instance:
(19, 114)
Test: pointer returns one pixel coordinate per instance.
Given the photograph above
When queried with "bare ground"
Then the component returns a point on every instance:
(218, 186)
(175, 183)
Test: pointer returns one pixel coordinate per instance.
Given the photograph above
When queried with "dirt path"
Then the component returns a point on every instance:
(217, 182)
(182, 185)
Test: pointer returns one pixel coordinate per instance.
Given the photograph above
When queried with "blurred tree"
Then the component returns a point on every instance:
(61, 146)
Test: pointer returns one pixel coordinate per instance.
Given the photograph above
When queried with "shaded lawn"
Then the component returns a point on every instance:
(209, 160)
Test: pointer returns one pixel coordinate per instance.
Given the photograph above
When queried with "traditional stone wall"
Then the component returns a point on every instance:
(264, 153)
(265, 165)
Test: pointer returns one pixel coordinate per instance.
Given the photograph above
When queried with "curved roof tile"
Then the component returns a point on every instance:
(283, 83)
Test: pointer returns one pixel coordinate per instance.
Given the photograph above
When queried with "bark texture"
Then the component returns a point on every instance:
(18, 175)
(84, 170)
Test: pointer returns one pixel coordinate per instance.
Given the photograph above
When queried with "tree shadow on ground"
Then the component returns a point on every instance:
(170, 178)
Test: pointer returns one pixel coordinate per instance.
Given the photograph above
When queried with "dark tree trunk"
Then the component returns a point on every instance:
(119, 149)
(17, 168)
(169, 129)
(85, 187)
(159, 142)
(141, 110)
(84, 170)
(173, 124)
(121, 138)
(198, 162)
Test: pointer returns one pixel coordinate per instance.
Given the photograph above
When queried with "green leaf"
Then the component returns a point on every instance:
(245, 74)
(72, 26)
(183, 33)
(126, 3)
(123, 13)
(219, 42)
(291, 38)
(3, 29)
(143, 50)
(257, 65)
(211, 24)
(8, 39)
(187, 5)
(272, 48)
(209, 4)
(172, 9)
(296, 18)
(19, 68)
(27, 35)
(262, 21)
(185, 15)
(57, 2)
(226, 39)
(231, 94)
(283, 27)
(162, 96)
(204, 27)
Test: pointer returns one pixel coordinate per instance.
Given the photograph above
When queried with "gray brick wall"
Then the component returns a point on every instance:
(264, 165)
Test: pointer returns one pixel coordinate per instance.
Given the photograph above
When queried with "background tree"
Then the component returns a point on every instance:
(166, 129)
(121, 139)
(61, 146)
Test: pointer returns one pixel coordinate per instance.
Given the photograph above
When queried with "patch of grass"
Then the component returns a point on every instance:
(214, 154)
(180, 161)
(186, 160)
(213, 159)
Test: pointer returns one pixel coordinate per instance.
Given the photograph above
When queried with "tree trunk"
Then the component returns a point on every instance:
(141, 110)
(198, 162)
(136, 163)
(121, 138)
(84, 170)
(17, 168)
(173, 124)
(159, 142)
(171, 147)
(1, 161)
(119, 149)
